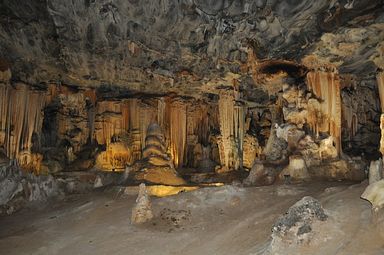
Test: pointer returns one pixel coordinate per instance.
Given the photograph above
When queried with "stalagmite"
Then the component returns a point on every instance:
(325, 116)
(142, 211)
(156, 166)
(375, 171)
(178, 131)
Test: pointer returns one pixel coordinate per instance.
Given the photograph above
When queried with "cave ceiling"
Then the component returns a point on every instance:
(186, 46)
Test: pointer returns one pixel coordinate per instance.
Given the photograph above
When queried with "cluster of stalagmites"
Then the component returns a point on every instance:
(305, 141)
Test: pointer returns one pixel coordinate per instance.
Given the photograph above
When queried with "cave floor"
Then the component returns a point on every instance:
(218, 220)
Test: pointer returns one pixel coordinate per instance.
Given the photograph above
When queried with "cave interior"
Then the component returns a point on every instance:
(175, 127)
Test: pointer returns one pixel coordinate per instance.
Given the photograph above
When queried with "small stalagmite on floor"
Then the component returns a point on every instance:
(142, 211)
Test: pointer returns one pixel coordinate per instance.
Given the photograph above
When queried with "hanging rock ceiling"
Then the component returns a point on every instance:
(183, 46)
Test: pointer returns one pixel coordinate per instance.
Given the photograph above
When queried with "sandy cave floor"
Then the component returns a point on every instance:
(220, 220)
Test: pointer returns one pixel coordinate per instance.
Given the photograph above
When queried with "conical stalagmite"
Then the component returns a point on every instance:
(155, 166)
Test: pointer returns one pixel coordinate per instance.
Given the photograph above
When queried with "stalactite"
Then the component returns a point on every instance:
(198, 130)
(115, 158)
(4, 102)
(382, 134)
(21, 118)
(91, 122)
(113, 124)
(350, 119)
(72, 118)
(178, 131)
(239, 129)
(226, 118)
(161, 112)
(134, 128)
(90, 94)
(125, 116)
(327, 118)
(109, 121)
(148, 115)
(380, 85)
(232, 128)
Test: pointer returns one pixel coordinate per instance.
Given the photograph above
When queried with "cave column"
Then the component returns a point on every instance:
(380, 85)
(325, 85)
(178, 131)
(232, 125)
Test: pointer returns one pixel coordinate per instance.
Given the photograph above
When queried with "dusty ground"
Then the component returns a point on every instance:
(221, 220)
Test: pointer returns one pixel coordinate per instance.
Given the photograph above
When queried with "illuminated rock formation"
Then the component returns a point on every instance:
(116, 157)
(251, 151)
(21, 118)
(325, 116)
(155, 166)
(178, 131)
(232, 121)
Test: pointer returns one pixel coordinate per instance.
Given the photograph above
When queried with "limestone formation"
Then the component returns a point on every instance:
(18, 189)
(296, 170)
(376, 171)
(251, 151)
(183, 94)
(374, 194)
(229, 83)
(156, 165)
(142, 210)
(260, 175)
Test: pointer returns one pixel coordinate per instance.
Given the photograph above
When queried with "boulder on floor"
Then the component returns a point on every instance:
(295, 227)
(260, 175)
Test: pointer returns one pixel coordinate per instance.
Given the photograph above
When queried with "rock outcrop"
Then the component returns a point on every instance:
(19, 189)
(296, 227)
